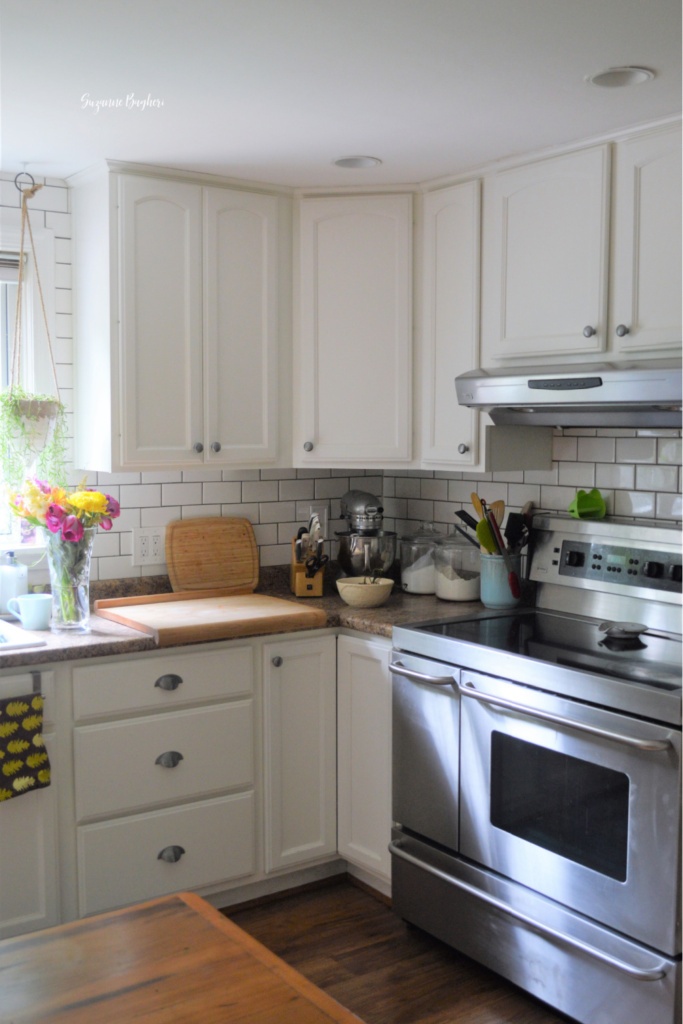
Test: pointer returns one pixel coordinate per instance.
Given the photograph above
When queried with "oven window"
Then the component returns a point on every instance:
(566, 805)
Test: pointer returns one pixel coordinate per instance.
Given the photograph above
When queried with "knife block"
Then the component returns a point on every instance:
(300, 584)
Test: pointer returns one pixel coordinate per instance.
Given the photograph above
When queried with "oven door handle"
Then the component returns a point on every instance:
(420, 677)
(570, 723)
(654, 973)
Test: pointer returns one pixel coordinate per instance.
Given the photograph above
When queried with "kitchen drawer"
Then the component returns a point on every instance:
(115, 763)
(118, 862)
(153, 683)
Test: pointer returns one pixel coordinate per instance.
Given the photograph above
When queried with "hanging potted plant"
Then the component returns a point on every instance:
(32, 426)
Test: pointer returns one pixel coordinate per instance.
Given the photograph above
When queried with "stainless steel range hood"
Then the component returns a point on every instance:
(644, 394)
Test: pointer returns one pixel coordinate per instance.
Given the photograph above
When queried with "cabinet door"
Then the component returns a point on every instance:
(352, 373)
(364, 753)
(29, 861)
(646, 246)
(544, 283)
(450, 336)
(300, 751)
(160, 267)
(240, 326)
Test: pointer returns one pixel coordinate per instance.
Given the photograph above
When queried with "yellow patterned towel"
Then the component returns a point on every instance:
(24, 764)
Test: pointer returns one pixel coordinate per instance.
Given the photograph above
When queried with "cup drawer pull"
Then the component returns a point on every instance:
(171, 854)
(169, 682)
(169, 759)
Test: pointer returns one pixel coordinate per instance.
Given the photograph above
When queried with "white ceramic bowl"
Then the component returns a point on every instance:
(359, 592)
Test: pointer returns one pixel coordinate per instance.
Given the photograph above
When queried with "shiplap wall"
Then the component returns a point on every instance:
(639, 472)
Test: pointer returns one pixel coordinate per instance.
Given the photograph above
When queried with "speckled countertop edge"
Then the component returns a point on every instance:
(107, 638)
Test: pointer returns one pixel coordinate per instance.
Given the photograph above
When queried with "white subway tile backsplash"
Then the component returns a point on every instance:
(164, 476)
(669, 450)
(181, 494)
(577, 474)
(223, 493)
(669, 506)
(634, 503)
(636, 449)
(260, 491)
(657, 478)
(296, 490)
(140, 495)
(615, 476)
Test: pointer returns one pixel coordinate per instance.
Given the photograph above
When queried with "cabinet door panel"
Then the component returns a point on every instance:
(161, 320)
(240, 329)
(646, 252)
(352, 381)
(545, 257)
(300, 751)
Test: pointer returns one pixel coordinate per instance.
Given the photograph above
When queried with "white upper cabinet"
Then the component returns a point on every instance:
(645, 306)
(545, 245)
(352, 355)
(177, 324)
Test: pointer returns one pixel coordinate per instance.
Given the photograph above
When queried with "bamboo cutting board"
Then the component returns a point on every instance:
(212, 553)
(193, 617)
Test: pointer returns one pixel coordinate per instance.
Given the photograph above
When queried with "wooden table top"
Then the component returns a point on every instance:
(167, 961)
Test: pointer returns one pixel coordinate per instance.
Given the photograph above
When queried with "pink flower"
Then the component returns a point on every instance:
(113, 509)
(54, 517)
(106, 523)
(72, 528)
(41, 485)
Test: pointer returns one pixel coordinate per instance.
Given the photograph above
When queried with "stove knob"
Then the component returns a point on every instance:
(574, 558)
(675, 573)
(653, 570)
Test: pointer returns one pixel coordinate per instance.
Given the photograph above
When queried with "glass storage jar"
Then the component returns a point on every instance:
(457, 569)
(417, 561)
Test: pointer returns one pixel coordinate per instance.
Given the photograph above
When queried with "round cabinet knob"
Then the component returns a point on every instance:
(462, 448)
(277, 661)
(588, 332)
(169, 682)
(622, 331)
(169, 759)
(308, 446)
(199, 447)
(216, 446)
(171, 854)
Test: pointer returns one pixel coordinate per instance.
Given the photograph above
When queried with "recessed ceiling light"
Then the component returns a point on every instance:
(358, 161)
(615, 78)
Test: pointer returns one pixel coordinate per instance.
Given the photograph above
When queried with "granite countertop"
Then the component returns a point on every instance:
(107, 638)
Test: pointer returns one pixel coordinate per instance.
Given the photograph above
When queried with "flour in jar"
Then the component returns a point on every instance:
(456, 585)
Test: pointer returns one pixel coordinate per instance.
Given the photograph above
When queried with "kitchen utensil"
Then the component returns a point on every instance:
(201, 616)
(486, 538)
(588, 505)
(212, 553)
(363, 511)
(513, 578)
(628, 630)
(315, 563)
(467, 519)
(476, 504)
(498, 509)
(466, 535)
(361, 554)
(515, 530)
(364, 591)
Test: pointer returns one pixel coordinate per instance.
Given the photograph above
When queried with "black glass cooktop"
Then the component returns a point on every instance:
(652, 658)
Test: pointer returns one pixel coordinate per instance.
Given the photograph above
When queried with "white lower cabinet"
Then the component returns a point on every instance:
(164, 775)
(29, 860)
(300, 751)
(364, 754)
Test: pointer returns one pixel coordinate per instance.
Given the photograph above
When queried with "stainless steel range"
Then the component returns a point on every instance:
(537, 775)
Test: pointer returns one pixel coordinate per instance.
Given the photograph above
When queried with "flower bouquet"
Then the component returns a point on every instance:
(70, 520)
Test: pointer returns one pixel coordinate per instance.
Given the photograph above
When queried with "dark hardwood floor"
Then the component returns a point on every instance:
(356, 949)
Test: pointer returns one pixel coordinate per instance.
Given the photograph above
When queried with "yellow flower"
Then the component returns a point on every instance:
(89, 501)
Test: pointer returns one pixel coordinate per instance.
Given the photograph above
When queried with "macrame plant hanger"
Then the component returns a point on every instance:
(34, 425)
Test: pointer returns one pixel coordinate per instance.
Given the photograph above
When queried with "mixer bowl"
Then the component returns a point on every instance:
(361, 555)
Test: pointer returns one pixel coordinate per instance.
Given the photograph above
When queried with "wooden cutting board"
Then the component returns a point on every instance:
(212, 553)
(193, 617)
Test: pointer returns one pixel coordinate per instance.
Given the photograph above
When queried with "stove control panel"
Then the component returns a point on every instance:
(609, 563)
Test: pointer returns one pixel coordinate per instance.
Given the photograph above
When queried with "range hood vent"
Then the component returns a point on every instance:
(593, 395)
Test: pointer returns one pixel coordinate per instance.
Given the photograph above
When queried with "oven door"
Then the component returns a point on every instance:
(576, 802)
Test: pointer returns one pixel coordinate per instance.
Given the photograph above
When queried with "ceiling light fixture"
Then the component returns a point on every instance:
(358, 161)
(616, 78)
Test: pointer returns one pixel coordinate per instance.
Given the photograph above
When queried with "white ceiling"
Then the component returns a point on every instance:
(275, 90)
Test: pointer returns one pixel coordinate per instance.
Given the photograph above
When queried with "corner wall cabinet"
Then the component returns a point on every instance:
(29, 858)
(353, 346)
(453, 436)
(364, 754)
(177, 323)
(300, 750)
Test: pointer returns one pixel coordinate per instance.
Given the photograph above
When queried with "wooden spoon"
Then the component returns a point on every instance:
(476, 504)
(498, 509)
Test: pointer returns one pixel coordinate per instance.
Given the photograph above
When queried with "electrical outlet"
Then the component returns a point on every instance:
(149, 545)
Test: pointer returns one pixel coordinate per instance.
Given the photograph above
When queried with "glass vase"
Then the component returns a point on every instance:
(69, 563)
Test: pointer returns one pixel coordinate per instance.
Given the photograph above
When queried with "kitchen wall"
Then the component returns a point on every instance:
(639, 472)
